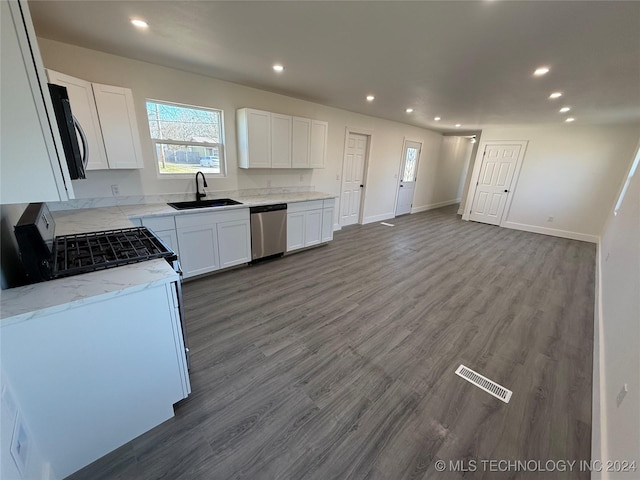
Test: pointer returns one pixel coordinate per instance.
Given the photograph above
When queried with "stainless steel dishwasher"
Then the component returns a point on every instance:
(268, 231)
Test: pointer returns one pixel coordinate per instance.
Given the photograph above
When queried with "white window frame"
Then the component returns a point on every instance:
(220, 146)
(623, 192)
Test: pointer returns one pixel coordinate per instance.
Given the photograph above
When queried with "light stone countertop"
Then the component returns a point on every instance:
(22, 303)
(69, 222)
(40, 299)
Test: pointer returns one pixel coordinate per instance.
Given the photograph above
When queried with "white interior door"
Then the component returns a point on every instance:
(494, 183)
(410, 157)
(353, 178)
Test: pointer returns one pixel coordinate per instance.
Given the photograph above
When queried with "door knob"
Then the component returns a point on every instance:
(506, 191)
(361, 186)
(401, 186)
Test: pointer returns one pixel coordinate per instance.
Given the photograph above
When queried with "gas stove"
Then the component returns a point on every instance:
(87, 252)
(47, 257)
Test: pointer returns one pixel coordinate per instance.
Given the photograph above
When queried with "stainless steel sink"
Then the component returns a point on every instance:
(215, 202)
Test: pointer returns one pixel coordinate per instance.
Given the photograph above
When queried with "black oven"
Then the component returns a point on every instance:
(70, 131)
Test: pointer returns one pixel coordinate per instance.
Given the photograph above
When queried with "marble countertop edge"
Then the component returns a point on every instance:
(41, 299)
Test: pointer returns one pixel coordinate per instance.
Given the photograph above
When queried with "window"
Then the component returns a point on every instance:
(186, 139)
(411, 158)
(623, 192)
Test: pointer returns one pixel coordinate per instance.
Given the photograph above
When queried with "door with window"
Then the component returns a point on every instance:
(410, 157)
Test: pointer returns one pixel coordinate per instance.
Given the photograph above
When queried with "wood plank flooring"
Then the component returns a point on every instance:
(338, 362)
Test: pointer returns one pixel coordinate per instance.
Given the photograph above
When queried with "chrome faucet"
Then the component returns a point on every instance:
(199, 195)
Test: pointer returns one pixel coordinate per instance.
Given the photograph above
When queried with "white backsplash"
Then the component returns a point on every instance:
(168, 197)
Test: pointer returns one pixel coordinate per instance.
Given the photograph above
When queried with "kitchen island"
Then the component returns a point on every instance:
(93, 360)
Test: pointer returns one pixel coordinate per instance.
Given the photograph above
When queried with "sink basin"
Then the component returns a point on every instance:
(216, 202)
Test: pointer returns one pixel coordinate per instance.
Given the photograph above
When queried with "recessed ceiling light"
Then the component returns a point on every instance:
(555, 95)
(139, 23)
(370, 98)
(458, 125)
(570, 119)
(541, 71)
(278, 68)
(409, 110)
(437, 119)
(565, 109)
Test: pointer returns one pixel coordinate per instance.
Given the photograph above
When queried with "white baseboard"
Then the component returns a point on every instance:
(336, 227)
(551, 231)
(599, 397)
(378, 218)
(432, 206)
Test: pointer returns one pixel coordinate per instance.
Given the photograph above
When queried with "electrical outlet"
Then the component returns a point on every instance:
(302, 178)
(115, 190)
(338, 177)
(550, 219)
(621, 394)
(268, 183)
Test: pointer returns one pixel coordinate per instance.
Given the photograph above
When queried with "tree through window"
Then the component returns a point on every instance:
(186, 138)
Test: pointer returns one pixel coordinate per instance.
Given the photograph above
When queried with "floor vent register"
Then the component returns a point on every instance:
(484, 383)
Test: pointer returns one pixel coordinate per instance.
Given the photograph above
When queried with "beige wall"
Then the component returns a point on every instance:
(157, 82)
(443, 175)
(570, 172)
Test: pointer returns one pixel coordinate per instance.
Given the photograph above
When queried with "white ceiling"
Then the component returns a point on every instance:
(469, 62)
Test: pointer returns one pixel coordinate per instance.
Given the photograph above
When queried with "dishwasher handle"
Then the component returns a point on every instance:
(268, 208)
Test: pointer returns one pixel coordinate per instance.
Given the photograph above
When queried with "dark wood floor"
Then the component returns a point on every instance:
(338, 362)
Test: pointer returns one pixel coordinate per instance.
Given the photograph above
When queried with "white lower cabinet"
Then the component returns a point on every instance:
(327, 221)
(309, 223)
(313, 228)
(198, 249)
(210, 241)
(234, 243)
(295, 230)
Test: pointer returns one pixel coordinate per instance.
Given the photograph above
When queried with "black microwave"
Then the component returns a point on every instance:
(71, 132)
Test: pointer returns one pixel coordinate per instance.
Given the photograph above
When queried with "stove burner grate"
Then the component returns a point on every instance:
(88, 252)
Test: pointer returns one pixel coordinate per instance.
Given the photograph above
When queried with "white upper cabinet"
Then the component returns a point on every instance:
(119, 126)
(254, 138)
(280, 141)
(107, 117)
(318, 148)
(84, 109)
(273, 140)
(32, 160)
(300, 142)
